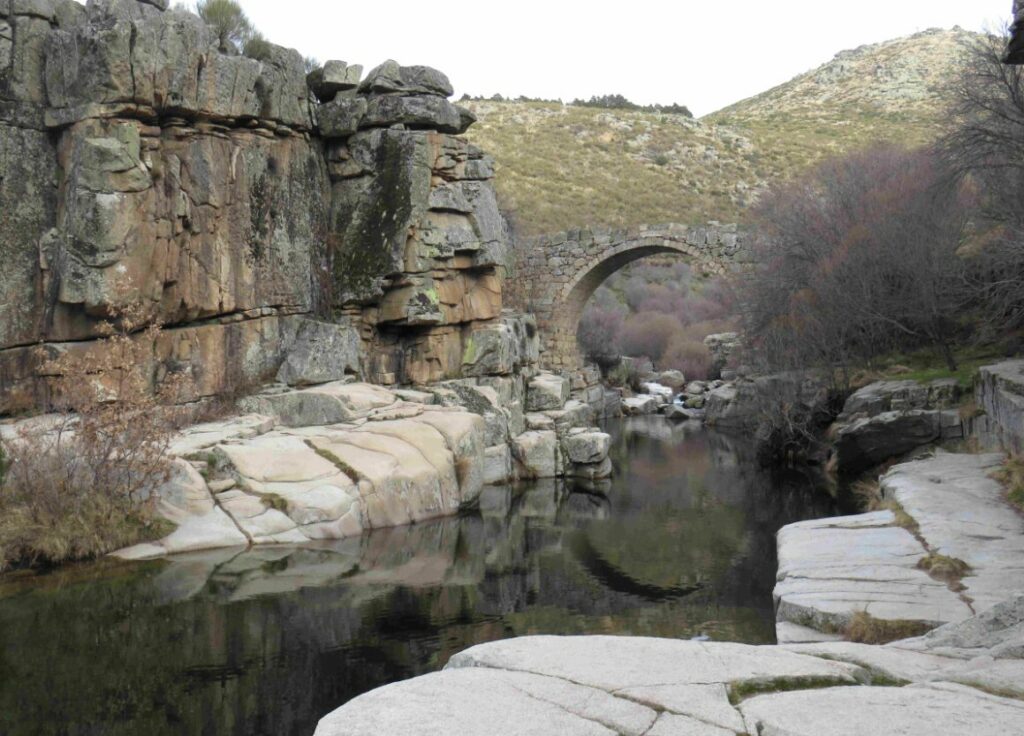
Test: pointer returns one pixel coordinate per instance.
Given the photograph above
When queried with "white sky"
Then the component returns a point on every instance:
(702, 53)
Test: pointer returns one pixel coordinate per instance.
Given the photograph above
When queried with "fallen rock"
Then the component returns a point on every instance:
(678, 413)
(537, 454)
(639, 405)
(546, 391)
(674, 380)
(587, 446)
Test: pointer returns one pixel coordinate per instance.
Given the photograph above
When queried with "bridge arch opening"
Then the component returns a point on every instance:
(557, 275)
(565, 323)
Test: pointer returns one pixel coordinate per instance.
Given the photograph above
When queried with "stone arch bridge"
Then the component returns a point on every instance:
(555, 275)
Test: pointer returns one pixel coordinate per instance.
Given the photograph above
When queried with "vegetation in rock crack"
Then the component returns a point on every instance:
(79, 483)
(864, 628)
(740, 691)
(1011, 475)
(942, 567)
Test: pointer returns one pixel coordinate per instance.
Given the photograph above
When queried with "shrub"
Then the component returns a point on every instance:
(856, 259)
(942, 567)
(625, 375)
(648, 334)
(257, 47)
(984, 143)
(689, 355)
(228, 21)
(75, 482)
(599, 330)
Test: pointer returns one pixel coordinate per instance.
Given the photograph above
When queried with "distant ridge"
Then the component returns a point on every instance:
(561, 167)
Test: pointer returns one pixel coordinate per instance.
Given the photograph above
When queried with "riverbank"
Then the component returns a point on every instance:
(271, 638)
(945, 555)
(965, 677)
(337, 459)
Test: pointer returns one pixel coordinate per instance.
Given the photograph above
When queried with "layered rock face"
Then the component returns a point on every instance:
(238, 200)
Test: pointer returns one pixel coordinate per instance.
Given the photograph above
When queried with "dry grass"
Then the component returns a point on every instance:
(75, 484)
(947, 569)
(1011, 475)
(866, 629)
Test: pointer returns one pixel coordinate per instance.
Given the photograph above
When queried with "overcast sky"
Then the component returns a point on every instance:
(704, 54)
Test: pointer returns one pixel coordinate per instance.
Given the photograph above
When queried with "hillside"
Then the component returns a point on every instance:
(563, 166)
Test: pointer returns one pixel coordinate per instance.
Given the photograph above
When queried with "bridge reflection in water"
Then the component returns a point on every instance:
(267, 641)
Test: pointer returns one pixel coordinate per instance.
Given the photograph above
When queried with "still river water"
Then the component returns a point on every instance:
(268, 641)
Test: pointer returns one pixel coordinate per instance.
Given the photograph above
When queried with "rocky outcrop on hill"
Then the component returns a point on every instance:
(237, 200)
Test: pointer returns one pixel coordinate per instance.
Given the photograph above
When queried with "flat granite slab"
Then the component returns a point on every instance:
(829, 569)
(962, 513)
(648, 687)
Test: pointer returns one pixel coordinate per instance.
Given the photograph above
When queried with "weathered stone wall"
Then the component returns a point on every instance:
(235, 199)
(555, 275)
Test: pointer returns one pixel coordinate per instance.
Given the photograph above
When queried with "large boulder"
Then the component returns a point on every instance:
(640, 405)
(547, 391)
(391, 77)
(334, 77)
(586, 446)
(886, 396)
(537, 454)
(868, 442)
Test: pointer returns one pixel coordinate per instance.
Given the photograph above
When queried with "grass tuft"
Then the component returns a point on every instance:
(1011, 475)
(946, 569)
(866, 629)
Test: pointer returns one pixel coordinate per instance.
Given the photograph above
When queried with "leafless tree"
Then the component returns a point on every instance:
(984, 145)
(857, 259)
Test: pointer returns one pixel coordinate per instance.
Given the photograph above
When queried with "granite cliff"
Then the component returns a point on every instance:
(260, 215)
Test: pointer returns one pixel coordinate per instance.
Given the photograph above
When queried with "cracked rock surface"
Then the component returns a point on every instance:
(657, 687)
(831, 569)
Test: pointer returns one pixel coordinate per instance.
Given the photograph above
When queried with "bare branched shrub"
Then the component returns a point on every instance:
(855, 260)
(985, 146)
(76, 482)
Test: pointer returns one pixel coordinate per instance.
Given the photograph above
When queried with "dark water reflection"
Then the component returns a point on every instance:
(268, 641)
